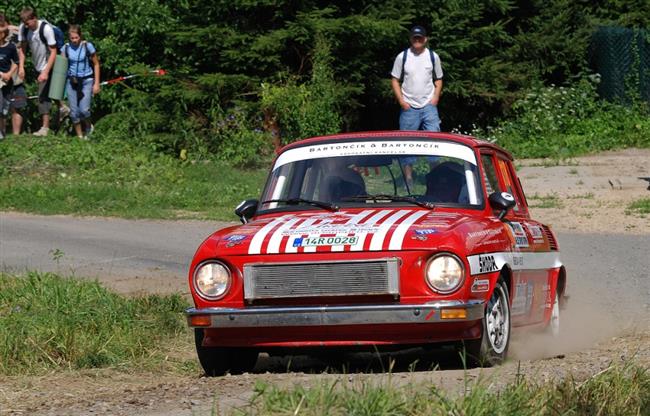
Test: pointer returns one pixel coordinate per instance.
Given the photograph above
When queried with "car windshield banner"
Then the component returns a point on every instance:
(384, 147)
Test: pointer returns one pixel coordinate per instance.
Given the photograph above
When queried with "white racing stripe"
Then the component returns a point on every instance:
(377, 242)
(258, 239)
(353, 220)
(371, 221)
(491, 262)
(276, 238)
(397, 239)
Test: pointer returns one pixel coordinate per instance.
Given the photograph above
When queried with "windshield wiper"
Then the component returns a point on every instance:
(386, 197)
(296, 201)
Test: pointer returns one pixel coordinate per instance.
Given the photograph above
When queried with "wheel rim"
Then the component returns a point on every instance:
(497, 320)
(555, 317)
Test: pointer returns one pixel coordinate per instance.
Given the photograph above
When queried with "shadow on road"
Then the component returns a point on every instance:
(346, 362)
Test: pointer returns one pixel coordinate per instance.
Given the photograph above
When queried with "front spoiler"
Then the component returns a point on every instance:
(252, 317)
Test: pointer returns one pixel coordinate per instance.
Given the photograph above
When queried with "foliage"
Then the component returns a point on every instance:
(48, 322)
(117, 177)
(309, 109)
(567, 121)
(318, 67)
(236, 142)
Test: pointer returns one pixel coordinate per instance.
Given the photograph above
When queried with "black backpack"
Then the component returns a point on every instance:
(433, 62)
(59, 37)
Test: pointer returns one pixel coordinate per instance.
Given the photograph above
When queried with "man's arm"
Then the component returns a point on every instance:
(437, 91)
(45, 73)
(397, 90)
(21, 60)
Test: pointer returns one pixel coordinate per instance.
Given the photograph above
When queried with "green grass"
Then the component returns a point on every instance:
(618, 391)
(544, 201)
(642, 206)
(61, 175)
(51, 323)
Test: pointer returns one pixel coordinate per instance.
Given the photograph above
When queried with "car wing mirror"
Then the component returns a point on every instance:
(246, 209)
(501, 202)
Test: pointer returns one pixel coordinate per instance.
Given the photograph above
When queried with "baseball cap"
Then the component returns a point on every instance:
(418, 31)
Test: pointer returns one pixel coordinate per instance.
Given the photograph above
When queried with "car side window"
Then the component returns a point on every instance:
(508, 182)
(490, 175)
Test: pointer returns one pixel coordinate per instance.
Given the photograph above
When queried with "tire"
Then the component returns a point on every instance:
(492, 348)
(217, 361)
(553, 327)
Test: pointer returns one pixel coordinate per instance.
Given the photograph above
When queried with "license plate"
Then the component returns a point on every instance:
(325, 241)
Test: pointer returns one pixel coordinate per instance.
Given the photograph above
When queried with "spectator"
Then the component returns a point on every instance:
(18, 93)
(43, 55)
(8, 66)
(417, 84)
(83, 79)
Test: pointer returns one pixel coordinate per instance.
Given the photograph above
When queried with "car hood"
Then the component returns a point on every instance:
(342, 231)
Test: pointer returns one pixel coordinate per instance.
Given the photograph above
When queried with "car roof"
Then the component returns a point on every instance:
(452, 137)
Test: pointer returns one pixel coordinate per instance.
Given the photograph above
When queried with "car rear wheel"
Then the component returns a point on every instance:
(217, 361)
(492, 348)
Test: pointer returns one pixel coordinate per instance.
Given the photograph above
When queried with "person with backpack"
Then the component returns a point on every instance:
(83, 79)
(416, 80)
(18, 99)
(8, 66)
(45, 41)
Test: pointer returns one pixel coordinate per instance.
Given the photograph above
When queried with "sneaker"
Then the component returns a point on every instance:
(42, 132)
(64, 111)
(90, 130)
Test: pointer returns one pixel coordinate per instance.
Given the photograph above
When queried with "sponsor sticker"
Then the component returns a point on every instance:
(536, 233)
(234, 239)
(521, 240)
(481, 285)
(487, 264)
(425, 231)
(325, 241)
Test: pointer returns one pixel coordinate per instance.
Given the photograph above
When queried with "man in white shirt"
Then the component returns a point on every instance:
(43, 57)
(417, 84)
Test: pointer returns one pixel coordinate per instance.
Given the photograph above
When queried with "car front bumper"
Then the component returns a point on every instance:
(305, 316)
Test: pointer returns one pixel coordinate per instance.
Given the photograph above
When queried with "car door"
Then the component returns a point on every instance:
(531, 284)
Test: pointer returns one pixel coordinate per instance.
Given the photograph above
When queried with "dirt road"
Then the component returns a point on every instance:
(604, 249)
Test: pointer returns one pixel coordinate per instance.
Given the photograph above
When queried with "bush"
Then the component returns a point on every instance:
(561, 122)
(233, 140)
(309, 109)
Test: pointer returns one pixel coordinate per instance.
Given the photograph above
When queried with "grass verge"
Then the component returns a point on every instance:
(642, 207)
(61, 175)
(622, 390)
(50, 323)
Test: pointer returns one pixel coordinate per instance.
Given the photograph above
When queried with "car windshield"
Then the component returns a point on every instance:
(356, 173)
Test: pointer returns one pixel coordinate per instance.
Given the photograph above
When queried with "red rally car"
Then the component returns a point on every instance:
(377, 239)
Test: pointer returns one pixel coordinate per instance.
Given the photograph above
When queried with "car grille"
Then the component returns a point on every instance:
(341, 278)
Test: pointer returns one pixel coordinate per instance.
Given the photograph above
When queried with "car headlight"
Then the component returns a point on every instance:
(211, 280)
(445, 273)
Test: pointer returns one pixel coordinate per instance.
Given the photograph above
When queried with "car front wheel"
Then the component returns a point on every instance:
(492, 348)
(217, 361)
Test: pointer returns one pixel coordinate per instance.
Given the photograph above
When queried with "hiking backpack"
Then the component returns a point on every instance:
(67, 50)
(59, 36)
(433, 63)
